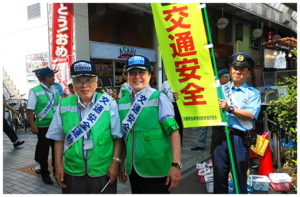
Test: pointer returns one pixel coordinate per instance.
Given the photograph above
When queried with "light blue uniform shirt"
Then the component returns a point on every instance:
(248, 98)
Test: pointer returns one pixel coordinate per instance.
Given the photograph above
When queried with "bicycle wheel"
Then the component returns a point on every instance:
(12, 121)
(22, 119)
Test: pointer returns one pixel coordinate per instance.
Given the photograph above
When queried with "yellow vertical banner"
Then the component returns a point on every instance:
(187, 62)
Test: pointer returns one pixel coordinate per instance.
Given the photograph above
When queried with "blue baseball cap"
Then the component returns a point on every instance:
(242, 60)
(137, 61)
(83, 68)
(223, 72)
(46, 71)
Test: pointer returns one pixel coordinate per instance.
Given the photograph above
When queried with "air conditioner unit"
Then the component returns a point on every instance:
(286, 15)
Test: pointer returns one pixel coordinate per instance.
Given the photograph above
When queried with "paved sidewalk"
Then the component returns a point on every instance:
(19, 176)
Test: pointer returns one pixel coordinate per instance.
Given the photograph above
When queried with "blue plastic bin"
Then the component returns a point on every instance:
(230, 188)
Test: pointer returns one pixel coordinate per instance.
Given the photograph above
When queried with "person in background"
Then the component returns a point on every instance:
(125, 89)
(43, 101)
(62, 94)
(224, 78)
(37, 152)
(87, 132)
(153, 151)
(7, 129)
(72, 92)
(166, 88)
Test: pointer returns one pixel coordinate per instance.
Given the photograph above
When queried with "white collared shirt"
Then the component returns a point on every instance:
(32, 99)
(165, 109)
(56, 132)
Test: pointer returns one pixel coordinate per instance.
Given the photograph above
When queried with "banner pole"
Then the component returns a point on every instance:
(220, 95)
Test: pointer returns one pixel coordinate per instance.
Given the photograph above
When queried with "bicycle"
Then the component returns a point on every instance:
(23, 114)
(14, 120)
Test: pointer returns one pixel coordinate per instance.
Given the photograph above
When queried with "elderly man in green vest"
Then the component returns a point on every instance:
(153, 150)
(43, 101)
(87, 131)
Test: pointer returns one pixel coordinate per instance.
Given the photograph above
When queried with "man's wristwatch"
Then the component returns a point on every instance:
(117, 159)
(177, 165)
(230, 109)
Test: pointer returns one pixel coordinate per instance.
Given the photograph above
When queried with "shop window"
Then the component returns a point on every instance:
(213, 29)
(33, 11)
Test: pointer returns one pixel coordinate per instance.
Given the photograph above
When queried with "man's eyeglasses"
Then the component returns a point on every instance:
(88, 80)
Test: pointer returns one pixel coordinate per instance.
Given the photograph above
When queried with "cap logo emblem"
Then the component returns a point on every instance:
(82, 66)
(240, 58)
(136, 60)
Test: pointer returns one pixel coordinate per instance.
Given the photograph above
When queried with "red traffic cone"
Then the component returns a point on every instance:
(265, 162)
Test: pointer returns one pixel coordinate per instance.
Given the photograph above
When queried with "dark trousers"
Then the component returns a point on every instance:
(9, 131)
(178, 120)
(37, 152)
(44, 145)
(88, 185)
(222, 164)
(141, 185)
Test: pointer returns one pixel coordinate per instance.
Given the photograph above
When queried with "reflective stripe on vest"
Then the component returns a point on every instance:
(99, 158)
(148, 146)
(42, 101)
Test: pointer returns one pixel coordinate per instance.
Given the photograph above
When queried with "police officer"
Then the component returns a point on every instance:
(153, 151)
(43, 100)
(241, 104)
(86, 129)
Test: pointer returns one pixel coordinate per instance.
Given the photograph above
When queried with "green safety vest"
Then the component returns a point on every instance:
(148, 146)
(124, 90)
(42, 101)
(99, 158)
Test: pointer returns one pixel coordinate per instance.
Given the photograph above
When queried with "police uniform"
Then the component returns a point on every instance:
(85, 169)
(148, 146)
(247, 98)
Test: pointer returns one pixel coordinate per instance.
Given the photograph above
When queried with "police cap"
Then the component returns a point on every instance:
(242, 60)
(46, 71)
(223, 72)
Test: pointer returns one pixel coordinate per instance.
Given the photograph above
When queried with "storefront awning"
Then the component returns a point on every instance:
(283, 42)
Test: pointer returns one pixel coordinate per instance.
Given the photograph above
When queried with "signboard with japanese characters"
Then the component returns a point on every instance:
(63, 75)
(62, 39)
(182, 40)
(33, 62)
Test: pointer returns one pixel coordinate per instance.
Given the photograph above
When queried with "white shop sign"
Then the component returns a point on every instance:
(102, 50)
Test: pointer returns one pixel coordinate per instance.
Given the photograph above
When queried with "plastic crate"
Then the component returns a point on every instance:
(281, 182)
(260, 182)
(209, 180)
(230, 188)
(204, 173)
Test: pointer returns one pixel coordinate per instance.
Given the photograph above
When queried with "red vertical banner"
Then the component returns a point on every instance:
(62, 40)
(269, 37)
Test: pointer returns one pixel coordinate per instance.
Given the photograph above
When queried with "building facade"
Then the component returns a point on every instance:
(108, 33)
